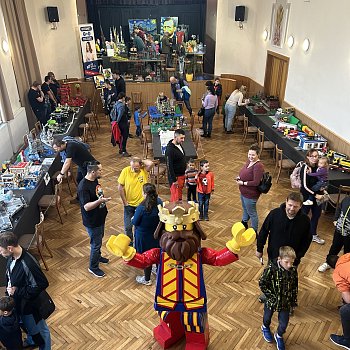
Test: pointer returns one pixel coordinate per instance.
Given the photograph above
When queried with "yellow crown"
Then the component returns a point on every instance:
(178, 213)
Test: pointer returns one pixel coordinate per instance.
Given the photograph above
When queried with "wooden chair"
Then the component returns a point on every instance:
(25, 141)
(198, 66)
(157, 173)
(37, 240)
(33, 132)
(147, 143)
(248, 130)
(198, 144)
(70, 179)
(170, 71)
(88, 126)
(136, 98)
(334, 199)
(48, 200)
(192, 123)
(38, 127)
(264, 145)
(282, 163)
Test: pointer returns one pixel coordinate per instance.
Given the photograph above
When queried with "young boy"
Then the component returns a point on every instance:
(205, 186)
(191, 174)
(322, 179)
(218, 93)
(279, 282)
(10, 333)
(137, 120)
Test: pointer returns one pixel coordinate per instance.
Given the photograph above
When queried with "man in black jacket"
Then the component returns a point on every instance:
(176, 163)
(285, 226)
(25, 281)
(119, 83)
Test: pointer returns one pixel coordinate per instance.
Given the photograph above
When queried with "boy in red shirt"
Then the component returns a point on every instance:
(205, 186)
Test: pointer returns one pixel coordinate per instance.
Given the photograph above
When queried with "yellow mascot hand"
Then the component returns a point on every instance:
(119, 246)
(241, 237)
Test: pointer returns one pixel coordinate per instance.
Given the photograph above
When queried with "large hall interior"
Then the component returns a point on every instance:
(288, 64)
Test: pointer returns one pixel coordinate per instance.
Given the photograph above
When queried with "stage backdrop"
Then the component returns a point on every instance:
(113, 13)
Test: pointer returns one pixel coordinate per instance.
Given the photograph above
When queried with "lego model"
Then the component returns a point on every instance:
(180, 298)
(307, 142)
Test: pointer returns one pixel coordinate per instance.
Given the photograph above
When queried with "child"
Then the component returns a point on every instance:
(161, 98)
(322, 177)
(279, 282)
(10, 333)
(205, 186)
(137, 121)
(218, 93)
(191, 174)
(223, 109)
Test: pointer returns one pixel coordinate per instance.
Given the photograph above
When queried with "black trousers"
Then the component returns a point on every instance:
(192, 193)
(338, 243)
(283, 319)
(188, 106)
(124, 130)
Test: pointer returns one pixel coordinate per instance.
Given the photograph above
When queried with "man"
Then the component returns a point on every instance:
(169, 27)
(94, 212)
(50, 99)
(176, 164)
(37, 102)
(140, 33)
(119, 83)
(130, 183)
(75, 152)
(25, 281)
(341, 278)
(54, 86)
(167, 49)
(138, 43)
(285, 226)
(175, 88)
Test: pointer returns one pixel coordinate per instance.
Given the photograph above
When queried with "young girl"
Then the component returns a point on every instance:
(191, 175)
(322, 180)
(205, 186)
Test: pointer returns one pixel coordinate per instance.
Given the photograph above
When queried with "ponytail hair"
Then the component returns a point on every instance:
(150, 201)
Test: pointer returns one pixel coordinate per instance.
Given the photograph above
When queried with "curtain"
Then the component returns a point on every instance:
(24, 59)
(7, 113)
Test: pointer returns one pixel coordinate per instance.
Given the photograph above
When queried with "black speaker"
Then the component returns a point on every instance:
(52, 14)
(239, 14)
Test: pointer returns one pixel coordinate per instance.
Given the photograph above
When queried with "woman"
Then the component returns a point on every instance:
(236, 98)
(146, 220)
(210, 102)
(310, 166)
(89, 56)
(248, 180)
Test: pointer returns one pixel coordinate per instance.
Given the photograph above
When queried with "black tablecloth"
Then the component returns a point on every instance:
(264, 122)
(190, 151)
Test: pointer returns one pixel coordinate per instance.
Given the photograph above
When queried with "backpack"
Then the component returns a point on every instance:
(265, 183)
(295, 180)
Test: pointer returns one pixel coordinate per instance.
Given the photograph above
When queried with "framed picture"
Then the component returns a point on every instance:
(169, 24)
(279, 23)
(148, 25)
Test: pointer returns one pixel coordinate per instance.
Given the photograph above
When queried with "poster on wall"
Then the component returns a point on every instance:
(169, 24)
(88, 49)
(279, 22)
(148, 25)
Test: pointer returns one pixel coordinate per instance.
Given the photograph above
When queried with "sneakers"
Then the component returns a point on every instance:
(279, 342)
(340, 341)
(141, 280)
(154, 270)
(126, 154)
(324, 267)
(267, 334)
(308, 202)
(103, 260)
(317, 239)
(206, 218)
(97, 272)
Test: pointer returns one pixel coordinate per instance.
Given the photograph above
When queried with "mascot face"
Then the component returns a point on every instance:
(182, 235)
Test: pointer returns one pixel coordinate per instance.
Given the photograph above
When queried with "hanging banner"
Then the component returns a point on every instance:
(88, 49)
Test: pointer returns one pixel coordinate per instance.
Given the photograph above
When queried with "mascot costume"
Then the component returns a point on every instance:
(180, 298)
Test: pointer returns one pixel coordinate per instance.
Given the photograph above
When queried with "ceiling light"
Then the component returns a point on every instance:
(5, 46)
(265, 34)
(306, 44)
(290, 41)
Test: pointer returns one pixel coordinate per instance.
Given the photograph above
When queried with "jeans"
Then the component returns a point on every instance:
(249, 211)
(192, 193)
(41, 115)
(176, 190)
(203, 200)
(96, 234)
(188, 106)
(208, 121)
(230, 112)
(129, 212)
(36, 328)
(345, 320)
(316, 213)
(283, 319)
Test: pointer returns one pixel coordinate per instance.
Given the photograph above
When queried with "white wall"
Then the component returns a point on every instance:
(318, 80)
(57, 50)
(211, 18)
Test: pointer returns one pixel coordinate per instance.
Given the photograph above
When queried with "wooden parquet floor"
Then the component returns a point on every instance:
(117, 313)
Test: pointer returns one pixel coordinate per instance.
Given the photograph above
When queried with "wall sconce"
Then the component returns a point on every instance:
(290, 41)
(5, 46)
(265, 34)
(306, 44)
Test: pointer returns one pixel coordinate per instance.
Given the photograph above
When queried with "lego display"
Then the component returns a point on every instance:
(180, 299)
(307, 142)
(166, 116)
(9, 206)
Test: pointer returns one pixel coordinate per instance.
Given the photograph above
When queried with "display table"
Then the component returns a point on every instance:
(125, 65)
(188, 145)
(264, 122)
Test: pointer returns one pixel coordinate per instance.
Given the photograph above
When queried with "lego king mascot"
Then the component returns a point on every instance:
(180, 298)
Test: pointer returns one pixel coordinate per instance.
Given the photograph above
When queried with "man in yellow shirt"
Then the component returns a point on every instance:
(130, 183)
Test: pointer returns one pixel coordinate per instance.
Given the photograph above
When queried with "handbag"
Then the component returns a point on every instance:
(201, 112)
(265, 183)
(44, 304)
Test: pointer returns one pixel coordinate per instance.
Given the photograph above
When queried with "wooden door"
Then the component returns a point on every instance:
(276, 74)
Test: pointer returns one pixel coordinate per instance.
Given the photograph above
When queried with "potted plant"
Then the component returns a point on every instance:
(189, 71)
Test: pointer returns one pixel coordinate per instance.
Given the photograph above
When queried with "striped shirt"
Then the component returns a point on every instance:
(190, 176)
